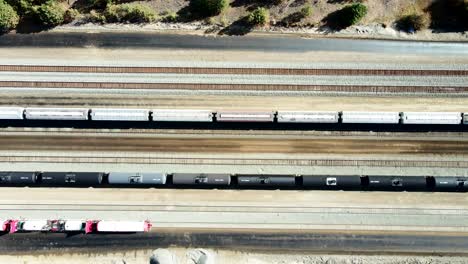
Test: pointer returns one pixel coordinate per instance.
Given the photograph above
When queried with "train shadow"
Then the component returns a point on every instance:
(232, 126)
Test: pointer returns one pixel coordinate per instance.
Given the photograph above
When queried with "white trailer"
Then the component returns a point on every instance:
(57, 113)
(11, 113)
(307, 117)
(225, 116)
(186, 115)
(104, 114)
(443, 118)
(123, 226)
(370, 117)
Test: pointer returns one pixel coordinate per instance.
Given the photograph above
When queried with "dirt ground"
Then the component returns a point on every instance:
(226, 257)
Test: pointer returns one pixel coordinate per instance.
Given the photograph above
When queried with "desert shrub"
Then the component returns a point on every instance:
(414, 22)
(207, 8)
(8, 17)
(133, 13)
(70, 15)
(306, 11)
(259, 17)
(50, 13)
(352, 14)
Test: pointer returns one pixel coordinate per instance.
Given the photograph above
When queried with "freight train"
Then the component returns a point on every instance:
(236, 181)
(186, 115)
(74, 226)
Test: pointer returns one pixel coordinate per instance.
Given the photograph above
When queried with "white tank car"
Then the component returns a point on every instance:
(186, 115)
(104, 114)
(57, 113)
(11, 112)
(443, 118)
(137, 178)
(370, 117)
(230, 116)
(123, 226)
(307, 117)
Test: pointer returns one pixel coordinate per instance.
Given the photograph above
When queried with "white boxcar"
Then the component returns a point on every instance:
(103, 114)
(307, 117)
(33, 225)
(444, 118)
(11, 112)
(177, 115)
(57, 113)
(74, 225)
(123, 226)
(371, 117)
(224, 116)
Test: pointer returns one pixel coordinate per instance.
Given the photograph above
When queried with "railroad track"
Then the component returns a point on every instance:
(244, 71)
(116, 159)
(241, 87)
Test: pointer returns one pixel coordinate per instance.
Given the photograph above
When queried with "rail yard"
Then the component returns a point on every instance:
(309, 144)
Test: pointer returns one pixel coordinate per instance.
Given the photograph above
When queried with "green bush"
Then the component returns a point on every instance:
(133, 13)
(170, 16)
(259, 17)
(306, 11)
(22, 7)
(352, 14)
(51, 13)
(414, 22)
(8, 17)
(100, 4)
(207, 8)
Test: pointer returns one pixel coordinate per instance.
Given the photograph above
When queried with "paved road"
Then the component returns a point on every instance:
(244, 240)
(276, 44)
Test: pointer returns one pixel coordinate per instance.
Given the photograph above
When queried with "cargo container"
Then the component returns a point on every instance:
(72, 178)
(331, 181)
(177, 115)
(444, 118)
(57, 113)
(266, 180)
(136, 178)
(17, 178)
(370, 117)
(123, 226)
(103, 114)
(11, 113)
(201, 179)
(307, 117)
(224, 116)
(465, 118)
(74, 226)
(33, 225)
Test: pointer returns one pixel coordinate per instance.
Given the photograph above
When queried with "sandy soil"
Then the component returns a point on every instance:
(379, 22)
(226, 257)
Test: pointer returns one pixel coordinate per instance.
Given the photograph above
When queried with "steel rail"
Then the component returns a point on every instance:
(235, 161)
(213, 70)
(239, 87)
